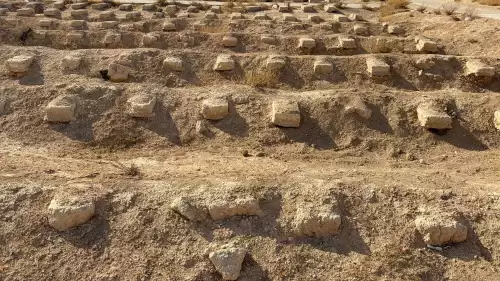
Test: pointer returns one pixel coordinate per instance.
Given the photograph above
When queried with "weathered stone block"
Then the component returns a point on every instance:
(192, 9)
(289, 17)
(308, 9)
(261, 16)
(169, 26)
(46, 23)
(425, 45)
(25, 12)
(125, 7)
(323, 67)
(107, 16)
(224, 209)
(355, 17)
(307, 43)
(112, 38)
(432, 116)
(141, 106)
(268, 39)
(340, 18)
(285, 113)
(100, 6)
(360, 29)
(149, 7)
(71, 62)
(215, 108)
(330, 9)
(61, 109)
(395, 29)
(173, 64)
(315, 222)
(79, 6)
(224, 62)
(228, 261)
(210, 15)
(133, 16)
(52, 13)
(74, 36)
(186, 208)
(118, 72)
(19, 64)
(78, 24)
(347, 43)
(109, 24)
(496, 119)
(284, 9)
(235, 16)
(65, 213)
(358, 107)
(253, 9)
(314, 18)
(275, 62)
(438, 230)
(229, 41)
(477, 68)
(377, 67)
(79, 14)
(59, 5)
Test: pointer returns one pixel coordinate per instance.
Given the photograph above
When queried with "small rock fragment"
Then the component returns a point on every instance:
(61, 109)
(229, 41)
(432, 116)
(228, 261)
(224, 62)
(173, 64)
(285, 113)
(377, 67)
(479, 69)
(215, 108)
(141, 106)
(440, 229)
(65, 213)
(71, 62)
(19, 64)
(184, 206)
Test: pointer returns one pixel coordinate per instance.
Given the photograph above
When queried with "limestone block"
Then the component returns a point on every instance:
(223, 209)
(52, 13)
(173, 64)
(186, 208)
(477, 68)
(228, 261)
(79, 14)
(61, 109)
(118, 72)
(229, 41)
(268, 39)
(377, 67)
(46, 23)
(360, 29)
(235, 16)
(284, 9)
(216, 9)
(314, 18)
(36, 6)
(109, 24)
(224, 62)
(496, 119)
(316, 1)
(78, 24)
(210, 15)
(112, 38)
(347, 43)
(330, 9)
(439, 230)
(261, 16)
(285, 113)
(307, 43)
(3, 11)
(107, 16)
(74, 36)
(192, 9)
(125, 7)
(425, 63)
(171, 9)
(59, 5)
(25, 12)
(79, 6)
(289, 17)
(323, 67)
(183, 15)
(340, 18)
(253, 9)
(141, 106)
(19, 64)
(169, 26)
(432, 116)
(133, 16)
(100, 6)
(150, 39)
(395, 29)
(149, 7)
(316, 221)
(308, 9)
(65, 213)
(71, 62)
(215, 108)
(275, 62)
(426, 45)
(355, 17)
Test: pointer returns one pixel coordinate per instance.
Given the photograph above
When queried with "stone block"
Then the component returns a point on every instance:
(25, 12)
(169, 26)
(360, 29)
(395, 29)
(314, 18)
(109, 24)
(19, 64)
(377, 67)
(112, 38)
(74, 36)
(228, 261)
(215, 108)
(340, 18)
(323, 67)
(79, 14)
(61, 109)
(285, 113)
(225, 209)
(347, 43)
(439, 230)
(289, 17)
(284, 9)
(66, 213)
(71, 62)
(79, 6)
(479, 69)
(216, 9)
(46, 23)
(150, 39)
(224, 62)
(100, 6)
(78, 24)
(426, 46)
(268, 39)
(496, 119)
(355, 17)
(253, 9)
(236, 16)
(432, 116)
(188, 209)
(171, 10)
(307, 43)
(308, 9)
(55, 13)
(261, 16)
(141, 106)
(36, 6)
(210, 15)
(59, 5)
(192, 9)
(229, 41)
(133, 16)
(118, 72)
(316, 221)
(173, 64)
(107, 16)
(3, 11)
(330, 9)
(275, 62)
(149, 7)
(125, 7)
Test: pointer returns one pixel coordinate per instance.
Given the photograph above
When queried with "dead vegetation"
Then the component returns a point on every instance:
(470, 13)
(398, 4)
(262, 78)
(449, 8)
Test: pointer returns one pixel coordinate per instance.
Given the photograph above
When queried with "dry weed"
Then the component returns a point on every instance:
(470, 12)
(264, 78)
(449, 8)
(421, 8)
(398, 4)
(386, 10)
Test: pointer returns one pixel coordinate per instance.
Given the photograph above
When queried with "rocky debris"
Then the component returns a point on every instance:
(228, 261)
(3, 11)
(496, 119)
(377, 67)
(275, 62)
(55, 13)
(425, 62)
(19, 65)
(210, 15)
(173, 64)
(25, 12)
(440, 229)
(61, 109)
(229, 41)
(223, 209)
(316, 220)
(201, 127)
(141, 106)
(330, 9)
(216, 9)
(268, 39)
(224, 62)
(358, 107)
(171, 10)
(289, 17)
(426, 46)
(215, 108)
(360, 29)
(478, 69)
(118, 72)
(285, 113)
(261, 16)
(347, 42)
(432, 116)
(322, 67)
(186, 208)
(71, 62)
(355, 17)
(307, 43)
(395, 29)
(65, 213)
(169, 26)
(235, 16)
(125, 7)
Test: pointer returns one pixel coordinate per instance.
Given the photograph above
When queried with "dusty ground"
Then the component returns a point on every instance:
(382, 171)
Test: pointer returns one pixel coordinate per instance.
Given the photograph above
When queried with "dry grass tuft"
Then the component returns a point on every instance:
(265, 78)
(470, 12)
(386, 10)
(421, 8)
(449, 8)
